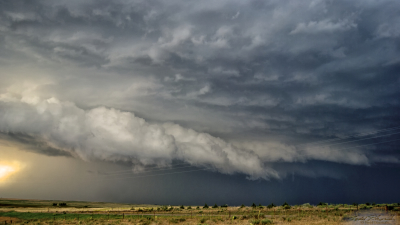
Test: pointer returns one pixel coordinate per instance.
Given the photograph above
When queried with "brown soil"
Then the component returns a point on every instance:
(8, 219)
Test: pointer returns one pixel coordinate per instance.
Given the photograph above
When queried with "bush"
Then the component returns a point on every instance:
(182, 207)
(177, 220)
(287, 207)
(224, 206)
(255, 221)
(205, 206)
(242, 206)
(266, 221)
(146, 223)
(254, 205)
(202, 220)
(285, 204)
(215, 206)
(271, 205)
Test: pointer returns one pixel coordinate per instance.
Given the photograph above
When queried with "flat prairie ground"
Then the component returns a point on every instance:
(92, 213)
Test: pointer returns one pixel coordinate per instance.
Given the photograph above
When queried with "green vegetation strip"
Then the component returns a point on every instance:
(40, 216)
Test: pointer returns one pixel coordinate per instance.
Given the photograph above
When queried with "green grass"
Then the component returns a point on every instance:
(48, 216)
(14, 203)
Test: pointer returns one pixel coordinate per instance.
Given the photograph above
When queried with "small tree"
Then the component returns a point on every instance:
(189, 207)
(182, 207)
(285, 204)
(242, 206)
(224, 206)
(205, 206)
(271, 205)
(215, 206)
(254, 205)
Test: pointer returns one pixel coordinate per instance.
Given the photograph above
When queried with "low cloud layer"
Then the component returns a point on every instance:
(112, 135)
(107, 134)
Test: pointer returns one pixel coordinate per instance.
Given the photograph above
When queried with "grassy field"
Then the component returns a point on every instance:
(44, 212)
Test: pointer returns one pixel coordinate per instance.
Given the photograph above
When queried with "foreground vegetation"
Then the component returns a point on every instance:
(74, 213)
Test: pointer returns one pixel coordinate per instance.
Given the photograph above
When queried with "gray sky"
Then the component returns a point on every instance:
(226, 93)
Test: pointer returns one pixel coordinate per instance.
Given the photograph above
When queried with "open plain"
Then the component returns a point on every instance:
(17, 211)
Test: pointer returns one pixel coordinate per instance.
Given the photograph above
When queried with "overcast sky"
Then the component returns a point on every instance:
(181, 102)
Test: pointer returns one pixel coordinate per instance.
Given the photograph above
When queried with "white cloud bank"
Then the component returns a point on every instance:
(109, 134)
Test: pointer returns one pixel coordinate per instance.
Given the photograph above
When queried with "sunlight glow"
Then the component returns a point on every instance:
(7, 169)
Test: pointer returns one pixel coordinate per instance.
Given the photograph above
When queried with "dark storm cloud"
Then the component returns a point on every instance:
(263, 75)
(33, 145)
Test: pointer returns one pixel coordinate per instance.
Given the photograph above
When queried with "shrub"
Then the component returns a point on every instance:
(182, 207)
(189, 207)
(287, 207)
(224, 206)
(255, 222)
(271, 205)
(177, 220)
(205, 206)
(242, 206)
(202, 220)
(215, 206)
(266, 221)
(285, 204)
(198, 207)
(254, 205)
(346, 217)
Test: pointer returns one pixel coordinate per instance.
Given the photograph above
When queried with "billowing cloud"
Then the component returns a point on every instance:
(112, 135)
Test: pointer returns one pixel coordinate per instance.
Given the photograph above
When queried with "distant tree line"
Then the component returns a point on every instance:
(60, 204)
